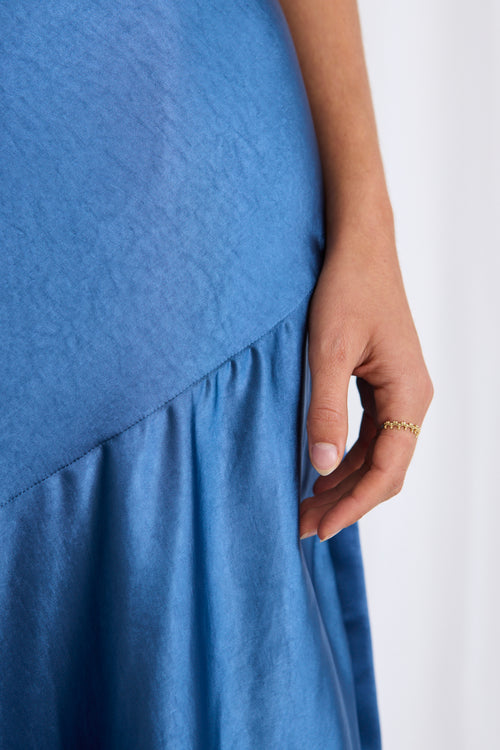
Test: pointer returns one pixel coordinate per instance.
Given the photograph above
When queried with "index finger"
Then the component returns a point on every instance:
(390, 457)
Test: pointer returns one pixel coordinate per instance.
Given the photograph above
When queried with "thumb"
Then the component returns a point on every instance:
(327, 421)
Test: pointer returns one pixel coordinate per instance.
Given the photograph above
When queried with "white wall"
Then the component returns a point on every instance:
(432, 554)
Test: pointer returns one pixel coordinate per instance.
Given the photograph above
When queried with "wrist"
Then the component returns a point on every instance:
(366, 211)
(362, 227)
(359, 205)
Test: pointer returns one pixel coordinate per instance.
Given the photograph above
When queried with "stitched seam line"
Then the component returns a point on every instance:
(162, 405)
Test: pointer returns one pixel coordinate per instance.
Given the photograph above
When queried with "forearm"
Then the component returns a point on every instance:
(328, 41)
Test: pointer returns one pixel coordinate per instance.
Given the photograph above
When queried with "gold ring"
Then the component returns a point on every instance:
(390, 424)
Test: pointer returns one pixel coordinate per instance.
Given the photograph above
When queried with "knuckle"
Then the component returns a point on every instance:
(396, 483)
(416, 386)
(425, 386)
(329, 350)
(339, 348)
(428, 390)
(324, 413)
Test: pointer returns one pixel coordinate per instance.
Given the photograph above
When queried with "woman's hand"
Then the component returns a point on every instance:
(359, 319)
(360, 324)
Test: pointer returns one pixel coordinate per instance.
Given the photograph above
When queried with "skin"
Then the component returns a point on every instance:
(359, 321)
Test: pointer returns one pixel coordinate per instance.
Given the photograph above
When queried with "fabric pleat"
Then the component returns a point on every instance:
(154, 592)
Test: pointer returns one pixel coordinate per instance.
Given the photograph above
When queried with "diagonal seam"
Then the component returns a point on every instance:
(163, 404)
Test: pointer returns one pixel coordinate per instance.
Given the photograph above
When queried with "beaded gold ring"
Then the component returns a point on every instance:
(390, 424)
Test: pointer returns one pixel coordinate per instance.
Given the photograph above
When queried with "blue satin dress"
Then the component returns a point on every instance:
(161, 234)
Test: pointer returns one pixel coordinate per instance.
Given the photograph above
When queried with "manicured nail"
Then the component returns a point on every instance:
(329, 537)
(324, 457)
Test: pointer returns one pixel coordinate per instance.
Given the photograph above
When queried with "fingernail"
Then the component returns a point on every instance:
(329, 537)
(324, 457)
(307, 533)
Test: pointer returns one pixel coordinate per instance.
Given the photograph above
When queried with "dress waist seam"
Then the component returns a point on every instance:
(164, 403)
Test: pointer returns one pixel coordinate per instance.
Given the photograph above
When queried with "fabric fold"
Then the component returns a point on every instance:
(155, 592)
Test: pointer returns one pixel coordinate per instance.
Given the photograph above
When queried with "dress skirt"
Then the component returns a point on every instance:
(161, 234)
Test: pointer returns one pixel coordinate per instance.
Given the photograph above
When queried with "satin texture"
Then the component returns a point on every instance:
(161, 235)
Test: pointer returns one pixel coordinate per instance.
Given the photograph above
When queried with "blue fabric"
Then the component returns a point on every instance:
(161, 233)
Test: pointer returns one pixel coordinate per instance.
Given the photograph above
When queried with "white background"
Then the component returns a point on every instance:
(432, 553)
